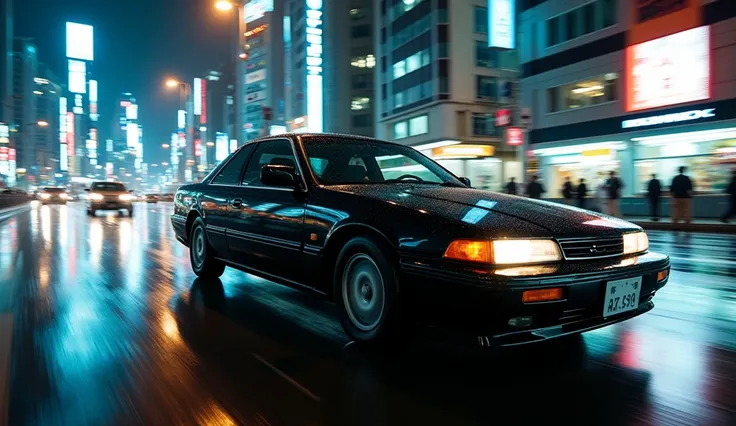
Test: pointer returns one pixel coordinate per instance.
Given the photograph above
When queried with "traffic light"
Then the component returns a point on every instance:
(266, 113)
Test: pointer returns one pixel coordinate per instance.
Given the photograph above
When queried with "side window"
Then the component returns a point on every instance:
(269, 152)
(230, 174)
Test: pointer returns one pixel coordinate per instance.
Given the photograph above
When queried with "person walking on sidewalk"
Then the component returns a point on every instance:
(582, 192)
(731, 190)
(567, 191)
(614, 194)
(535, 189)
(682, 193)
(654, 193)
(511, 187)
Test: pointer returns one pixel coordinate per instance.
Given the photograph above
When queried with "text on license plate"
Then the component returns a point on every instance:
(621, 296)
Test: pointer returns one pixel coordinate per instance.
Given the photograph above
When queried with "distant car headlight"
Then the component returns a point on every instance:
(63, 195)
(504, 252)
(125, 197)
(45, 196)
(96, 197)
(636, 242)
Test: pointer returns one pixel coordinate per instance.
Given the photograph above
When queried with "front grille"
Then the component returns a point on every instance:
(592, 248)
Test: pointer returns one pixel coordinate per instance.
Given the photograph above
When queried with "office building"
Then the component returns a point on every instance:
(6, 62)
(126, 139)
(615, 87)
(440, 84)
(350, 64)
(47, 93)
(24, 122)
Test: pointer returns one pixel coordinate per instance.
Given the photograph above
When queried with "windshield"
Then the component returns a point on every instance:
(108, 186)
(53, 189)
(339, 161)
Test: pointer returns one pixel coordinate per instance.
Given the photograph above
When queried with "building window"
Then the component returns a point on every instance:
(484, 125)
(480, 15)
(362, 120)
(571, 25)
(362, 81)
(419, 125)
(357, 14)
(442, 50)
(444, 85)
(359, 31)
(368, 61)
(442, 17)
(588, 18)
(585, 93)
(553, 31)
(401, 130)
(553, 99)
(485, 56)
(609, 12)
(399, 69)
(581, 21)
(486, 87)
(398, 99)
(412, 31)
(360, 103)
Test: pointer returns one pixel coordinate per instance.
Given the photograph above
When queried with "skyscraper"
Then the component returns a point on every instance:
(6, 64)
(23, 128)
(47, 93)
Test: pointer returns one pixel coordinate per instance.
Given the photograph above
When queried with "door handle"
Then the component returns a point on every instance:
(236, 203)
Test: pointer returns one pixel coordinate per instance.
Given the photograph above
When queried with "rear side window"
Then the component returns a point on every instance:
(269, 152)
(230, 174)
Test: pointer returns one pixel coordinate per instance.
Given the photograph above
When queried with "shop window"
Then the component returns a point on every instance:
(590, 92)
(484, 125)
(485, 56)
(419, 125)
(401, 130)
(486, 87)
(480, 15)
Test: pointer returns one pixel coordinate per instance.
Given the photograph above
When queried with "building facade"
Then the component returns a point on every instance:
(24, 122)
(439, 86)
(614, 86)
(47, 91)
(6, 62)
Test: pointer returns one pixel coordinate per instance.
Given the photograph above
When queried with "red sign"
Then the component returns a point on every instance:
(503, 117)
(70, 133)
(11, 154)
(514, 136)
(203, 117)
(197, 148)
(182, 140)
(4, 153)
(125, 104)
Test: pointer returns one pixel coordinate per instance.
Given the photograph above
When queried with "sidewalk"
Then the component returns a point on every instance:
(6, 213)
(697, 225)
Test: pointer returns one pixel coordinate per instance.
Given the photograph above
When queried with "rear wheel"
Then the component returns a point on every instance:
(367, 293)
(201, 257)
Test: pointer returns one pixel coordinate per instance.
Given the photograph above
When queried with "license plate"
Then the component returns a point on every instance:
(621, 296)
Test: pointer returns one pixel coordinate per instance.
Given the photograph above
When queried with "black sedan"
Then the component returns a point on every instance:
(394, 239)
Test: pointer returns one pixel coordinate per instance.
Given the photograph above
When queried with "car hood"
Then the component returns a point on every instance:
(489, 210)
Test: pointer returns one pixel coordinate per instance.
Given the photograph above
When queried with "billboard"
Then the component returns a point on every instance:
(314, 66)
(131, 112)
(669, 70)
(77, 76)
(132, 135)
(255, 76)
(80, 41)
(501, 24)
(197, 96)
(658, 18)
(255, 9)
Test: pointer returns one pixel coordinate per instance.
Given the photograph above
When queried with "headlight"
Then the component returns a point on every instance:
(507, 252)
(125, 197)
(96, 197)
(63, 195)
(636, 242)
(504, 252)
(45, 196)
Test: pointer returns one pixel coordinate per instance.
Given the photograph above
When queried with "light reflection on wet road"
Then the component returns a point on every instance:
(111, 327)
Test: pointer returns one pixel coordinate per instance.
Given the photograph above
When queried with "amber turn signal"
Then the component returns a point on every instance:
(469, 250)
(542, 295)
(662, 275)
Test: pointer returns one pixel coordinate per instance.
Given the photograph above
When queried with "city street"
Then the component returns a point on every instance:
(102, 322)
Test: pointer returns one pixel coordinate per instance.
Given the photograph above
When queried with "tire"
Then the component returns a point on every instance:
(200, 254)
(367, 294)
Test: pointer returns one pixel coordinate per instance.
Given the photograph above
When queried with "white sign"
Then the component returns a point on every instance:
(501, 24)
(131, 112)
(255, 76)
(181, 120)
(256, 96)
(676, 117)
(80, 41)
(77, 77)
(221, 147)
(197, 96)
(314, 66)
(255, 9)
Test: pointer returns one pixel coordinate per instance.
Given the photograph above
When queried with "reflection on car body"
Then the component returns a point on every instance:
(393, 238)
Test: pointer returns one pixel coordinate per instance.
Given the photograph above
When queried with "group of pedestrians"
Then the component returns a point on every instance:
(608, 194)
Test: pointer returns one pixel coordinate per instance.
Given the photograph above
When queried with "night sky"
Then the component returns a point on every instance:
(138, 43)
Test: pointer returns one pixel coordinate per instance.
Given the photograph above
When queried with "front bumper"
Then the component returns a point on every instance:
(477, 304)
(111, 205)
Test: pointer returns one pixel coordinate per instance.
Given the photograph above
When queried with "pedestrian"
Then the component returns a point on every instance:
(614, 186)
(682, 192)
(731, 190)
(567, 191)
(582, 192)
(511, 187)
(535, 189)
(654, 193)
(601, 194)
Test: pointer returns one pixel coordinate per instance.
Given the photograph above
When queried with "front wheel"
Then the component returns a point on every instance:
(367, 293)
(201, 257)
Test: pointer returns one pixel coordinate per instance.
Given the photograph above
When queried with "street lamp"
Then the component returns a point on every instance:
(210, 144)
(172, 83)
(42, 123)
(165, 146)
(223, 5)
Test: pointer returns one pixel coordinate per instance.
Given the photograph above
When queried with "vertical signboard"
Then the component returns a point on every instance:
(221, 147)
(501, 24)
(181, 119)
(80, 41)
(93, 114)
(197, 96)
(314, 39)
(514, 136)
(203, 117)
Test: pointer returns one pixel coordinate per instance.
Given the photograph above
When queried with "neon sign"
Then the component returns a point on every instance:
(314, 65)
(676, 117)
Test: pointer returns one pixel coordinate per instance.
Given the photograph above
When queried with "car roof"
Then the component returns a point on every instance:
(321, 135)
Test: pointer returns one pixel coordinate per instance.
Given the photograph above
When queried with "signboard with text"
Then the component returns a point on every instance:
(501, 24)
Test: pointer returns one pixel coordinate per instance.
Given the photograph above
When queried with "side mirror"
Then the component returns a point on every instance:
(86, 189)
(466, 181)
(278, 175)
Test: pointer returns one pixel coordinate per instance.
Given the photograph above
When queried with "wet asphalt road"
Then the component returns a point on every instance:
(109, 326)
